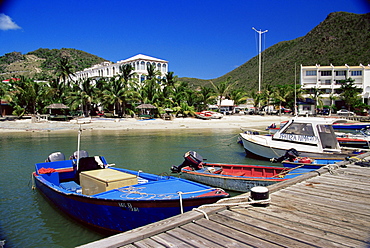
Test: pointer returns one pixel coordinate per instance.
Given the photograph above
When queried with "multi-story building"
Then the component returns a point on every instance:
(327, 80)
(138, 62)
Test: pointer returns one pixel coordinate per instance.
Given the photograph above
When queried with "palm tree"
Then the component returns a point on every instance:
(205, 96)
(27, 95)
(239, 96)
(64, 70)
(169, 83)
(223, 89)
(83, 94)
(126, 71)
(119, 92)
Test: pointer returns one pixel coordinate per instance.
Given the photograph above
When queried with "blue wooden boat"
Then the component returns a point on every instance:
(114, 199)
(351, 125)
(309, 163)
(235, 177)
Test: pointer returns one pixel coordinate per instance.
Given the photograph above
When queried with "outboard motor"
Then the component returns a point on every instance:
(55, 156)
(290, 155)
(79, 154)
(192, 159)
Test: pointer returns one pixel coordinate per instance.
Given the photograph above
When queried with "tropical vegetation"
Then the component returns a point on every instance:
(42, 77)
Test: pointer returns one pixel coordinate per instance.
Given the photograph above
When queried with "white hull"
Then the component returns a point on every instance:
(311, 137)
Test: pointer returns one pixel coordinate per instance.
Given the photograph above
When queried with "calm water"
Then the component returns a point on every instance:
(28, 220)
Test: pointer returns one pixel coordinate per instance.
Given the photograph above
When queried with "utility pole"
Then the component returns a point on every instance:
(259, 59)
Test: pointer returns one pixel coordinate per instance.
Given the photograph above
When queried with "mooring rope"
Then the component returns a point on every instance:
(231, 204)
(193, 192)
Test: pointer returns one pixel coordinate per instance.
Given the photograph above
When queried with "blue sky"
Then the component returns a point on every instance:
(200, 38)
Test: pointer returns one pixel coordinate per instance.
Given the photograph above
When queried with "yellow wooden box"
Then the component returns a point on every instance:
(97, 181)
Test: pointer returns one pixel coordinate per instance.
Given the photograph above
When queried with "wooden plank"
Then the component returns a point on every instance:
(346, 179)
(319, 226)
(150, 230)
(358, 169)
(170, 241)
(339, 188)
(340, 214)
(148, 243)
(190, 238)
(128, 246)
(354, 179)
(240, 237)
(322, 201)
(331, 194)
(211, 235)
(271, 232)
(337, 182)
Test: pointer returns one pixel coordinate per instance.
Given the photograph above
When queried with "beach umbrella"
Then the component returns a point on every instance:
(146, 106)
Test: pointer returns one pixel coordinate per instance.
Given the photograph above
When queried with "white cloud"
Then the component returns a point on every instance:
(6, 23)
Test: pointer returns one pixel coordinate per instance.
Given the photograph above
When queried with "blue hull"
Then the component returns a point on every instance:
(351, 126)
(316, 164)
(126, 208)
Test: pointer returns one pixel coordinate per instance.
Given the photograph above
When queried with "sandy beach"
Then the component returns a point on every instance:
(244, 122)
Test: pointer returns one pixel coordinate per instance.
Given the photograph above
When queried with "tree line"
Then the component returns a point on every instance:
(122, 93)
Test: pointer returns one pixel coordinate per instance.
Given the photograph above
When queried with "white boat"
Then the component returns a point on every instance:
(310, 136)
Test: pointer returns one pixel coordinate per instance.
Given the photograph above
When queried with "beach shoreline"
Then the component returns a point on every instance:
(243, 122)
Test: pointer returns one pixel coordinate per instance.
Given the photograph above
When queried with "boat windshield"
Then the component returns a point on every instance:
(327, 137)
(300, 129)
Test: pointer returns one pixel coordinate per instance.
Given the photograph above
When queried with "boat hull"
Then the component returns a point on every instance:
(117, 215)
(352, 126)
(315, 164)
(239, 184)
(268, 151)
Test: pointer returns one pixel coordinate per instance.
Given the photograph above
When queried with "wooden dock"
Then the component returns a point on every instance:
(326, 208)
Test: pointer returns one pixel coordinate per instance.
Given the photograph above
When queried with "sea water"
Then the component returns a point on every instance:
(28, 220)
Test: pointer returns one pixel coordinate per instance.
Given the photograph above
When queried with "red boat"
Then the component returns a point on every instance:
(235, 177)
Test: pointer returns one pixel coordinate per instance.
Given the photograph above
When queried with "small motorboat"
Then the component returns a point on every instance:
(206, 115)
(309, 163)
(114, 199)
(351, 125)
(235, 177)
(311, 137)
(359, 139)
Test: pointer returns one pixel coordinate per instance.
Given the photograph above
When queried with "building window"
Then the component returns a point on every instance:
(327, 82)
(325, 73)
(340, 73)
(356, 73)
(164, 68)
(311, 73)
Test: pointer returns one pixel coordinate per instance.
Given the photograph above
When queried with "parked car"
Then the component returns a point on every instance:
(345, 112)
(324, 111)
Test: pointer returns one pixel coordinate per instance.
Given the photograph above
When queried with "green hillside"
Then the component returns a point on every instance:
(342, 38)
(41, 63)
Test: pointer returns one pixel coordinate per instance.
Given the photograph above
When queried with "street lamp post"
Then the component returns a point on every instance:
(259, 57)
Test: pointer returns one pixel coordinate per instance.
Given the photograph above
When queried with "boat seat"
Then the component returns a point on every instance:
(71, 186)
(86, 164)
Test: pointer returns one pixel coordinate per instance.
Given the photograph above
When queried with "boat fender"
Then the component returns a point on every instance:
(305, 160)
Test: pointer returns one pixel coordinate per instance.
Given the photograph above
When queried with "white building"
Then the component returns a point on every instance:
(138, 62)
(327, 79)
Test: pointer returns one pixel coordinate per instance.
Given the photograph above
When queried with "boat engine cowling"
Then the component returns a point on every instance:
(192, 159)
(55, 156)
(290, 155)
